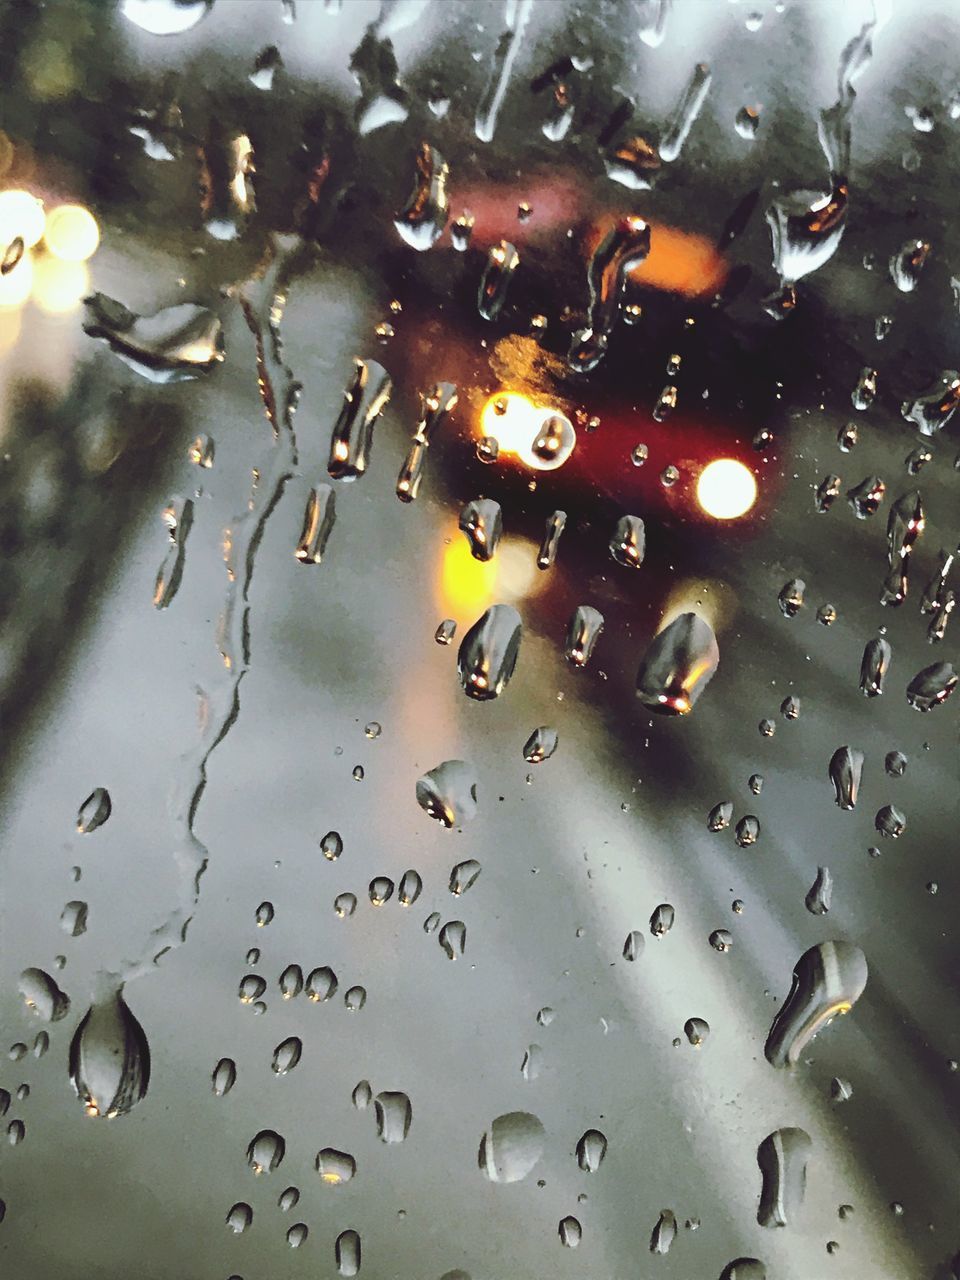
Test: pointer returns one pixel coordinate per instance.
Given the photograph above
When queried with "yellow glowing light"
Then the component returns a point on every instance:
(332, 1178)
(21, 214)
(466, 584)
(59, 286)
(726, 489)
(16, 285)
(71, 233)
(517, 424)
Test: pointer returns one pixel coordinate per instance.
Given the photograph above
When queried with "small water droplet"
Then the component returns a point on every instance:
(661, 921)
(448, 793)
(747, 122)
(380, 890)
(782, 1157)
(721, 940)
(347, 1252)
(633, 946)
(355, 999)
(321, 984)
(720, 816)
(265, 1151)
(239, 1217)
(94, 811)
(664, 1232)
(747, 831)
(224, 1077)
(335, 1167)
(42, 995)
(696, 1030)
(394, 1115)
(932, 686)
(286, 1055)
(344, 904)
(820, 893)
(582, 634)
(890, 821)
(73, 919)
(844, 771)
(907, 263)
(453, 938)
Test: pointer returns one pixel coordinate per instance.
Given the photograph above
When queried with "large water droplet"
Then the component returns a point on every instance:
(453, 938)
(907, 263)
(502, 262)
(664, 1233)
(688, 108)
(319, 515)
(744, 1269)
(865, 498)
(782, 1157)
(904, 526)
(409, 889)
(790, 598)
(805, 230)
(448, 793)
(265, 1152)
(321, 984)
(239, 1217)
(820, 893)
(482, 522)
(828, 979)
(678, 665)
(583, 634)
(347, 1252)
(661, 921)
(286, 1055)
(931, 411)
(624, 247)
(633, 946)
(435, 405)
(541, 745)
(846, 766)
(173, 345)
(224, 1077)
(591, 1149)
(394, 1114)
(570, 1232)
(628, 543)
(463, 876)
(73, 919)
(932, 686)
(109, 1056)
(488, 652)
(422, 220)
(335, 1167)
(720, 816)
(363, 401)
(165, 17)
(874, 665)
(511, 1147)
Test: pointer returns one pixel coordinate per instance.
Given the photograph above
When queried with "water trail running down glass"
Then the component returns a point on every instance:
(220, 706)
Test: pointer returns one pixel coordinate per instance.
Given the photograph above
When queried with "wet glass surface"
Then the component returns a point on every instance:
(479, 499)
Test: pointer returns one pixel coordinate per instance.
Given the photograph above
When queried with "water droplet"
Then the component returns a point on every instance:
(639, 455)
(931, 411)
(782, 1157)
(664, 1233)
(239, 1217)
(94, 811)
(252, 988)
(463, 876)
(570, 1232)
(41, 1043)
(446, 631)
(363, 401)
(666, 403)
(696, 1030)
(678, 665)
(373, 65)
(16, 1132)
(335, 1167)
(286, 1055)
(73, 919)
(318, 520)
(202, 452)
(488, 652)
(268, 62)
(687, 109)
(932, 686)
(165, 17)
(633, 946)
(828, 979)
(331, 846)
(488, 449)
(435, 405)
(344, 904)
(840, 1090)
(874, 666)
(502, 262)
(173, 345)
(511, 1147)
(907, 263)
(624, 247)
(720, 816)
(297, 1234)
(661, 921)
(410, 887)
(721, 940)
(448, 793)
(747, 831)
(453, 938)
(541, 745)
(421, 221)
(289, 1199)
(355, 999)
(264, 914)
(380, 890)
(394, 1114)
(904, 526)
(628, 543)
(482, 522)
(744, 1269)
(890, 821)
(551, 539)
(347, 1252)
(845, 769)
(265, 1152)
(358, 773)
(790, 598)
(828, 491)
(42, 995)
(755, 783)
(895, 763)
(224, 1077)
(461, 230)
(865, 392)
(109, 1056)
(747, 122)
(806, 228)
(847, 437)
(431, 922)
(582, 634)
(820, 893)
(321, 984)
